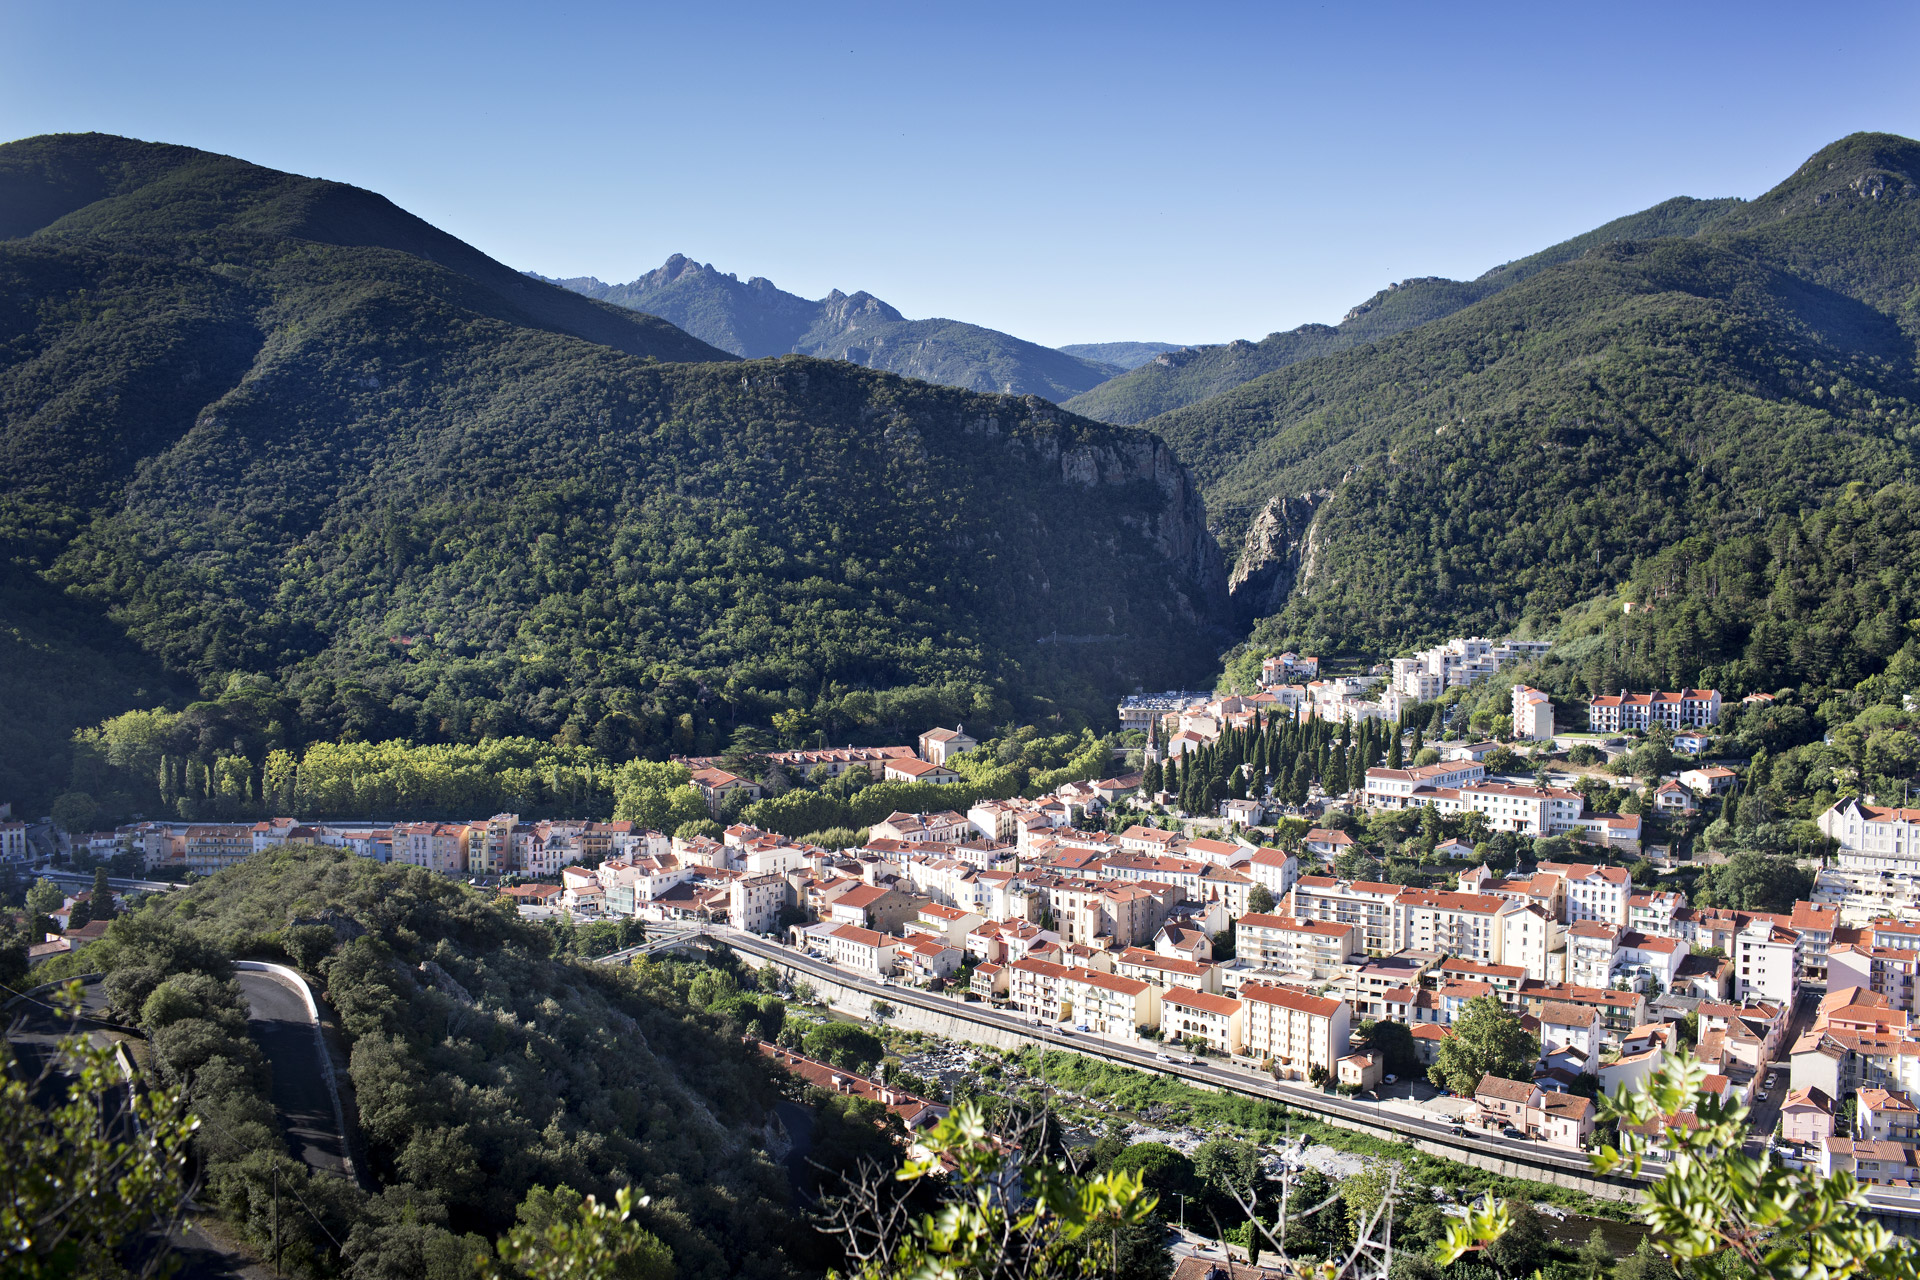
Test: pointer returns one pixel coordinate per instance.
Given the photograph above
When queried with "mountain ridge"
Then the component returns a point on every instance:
(252, 437)
(755, 319)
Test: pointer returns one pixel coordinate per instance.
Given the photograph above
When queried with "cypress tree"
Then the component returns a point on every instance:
(1394, 758)
(102, 895)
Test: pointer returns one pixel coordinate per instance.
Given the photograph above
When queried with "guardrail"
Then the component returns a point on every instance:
(298, 983)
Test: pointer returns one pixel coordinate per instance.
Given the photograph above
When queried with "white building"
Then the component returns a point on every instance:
(1874, 838)
(1766, 964)
(863, 950)
(1315, 948)
(1219, 1021)
(1624, 711)
(754, 902)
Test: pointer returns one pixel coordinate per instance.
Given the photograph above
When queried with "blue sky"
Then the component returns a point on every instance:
(1069, 173)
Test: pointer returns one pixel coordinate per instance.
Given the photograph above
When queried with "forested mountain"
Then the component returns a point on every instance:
(1127, 355)
(1189, 375)
(274, 435)
(1524, 455)
(756, 319)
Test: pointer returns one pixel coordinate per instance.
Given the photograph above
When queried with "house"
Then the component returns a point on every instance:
(1878, 1164)
(1248, 813)
(989, 981)
(1671, 797)
(1275, 869)
(1570, 1026)
(1564, 1120)
(1218, 1021)
(1452, 849)
(1691, 743)
(937, 746)
(1326, 843)
(919, 771)
(1474, 751)
(863, 951)
(1709, 781)
(716, 785)
(1806, 1116)
(1885, 1116)
(1295, 1032)
(1427, 1039)
(1500, 1101)
(950, 923)
(873, 906)
(1359, 1071)
(927, 959)
(1183, 942)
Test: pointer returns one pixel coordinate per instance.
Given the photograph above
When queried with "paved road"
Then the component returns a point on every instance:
(277, 1017)
(1231, 1079)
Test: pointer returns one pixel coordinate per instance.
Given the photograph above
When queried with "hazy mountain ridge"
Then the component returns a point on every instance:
(754, 318)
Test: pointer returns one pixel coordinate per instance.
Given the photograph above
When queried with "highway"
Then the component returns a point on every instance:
(1204, 1071)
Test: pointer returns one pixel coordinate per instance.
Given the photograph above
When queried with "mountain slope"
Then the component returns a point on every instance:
(1523, 454)
(756, 319)
(250, 435)
(1190, 375)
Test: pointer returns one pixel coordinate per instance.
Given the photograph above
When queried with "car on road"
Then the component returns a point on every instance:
(1512, 1132)
(1458, 1131)
(1393, 1079)
(1763, 1095)
(1164, 1057)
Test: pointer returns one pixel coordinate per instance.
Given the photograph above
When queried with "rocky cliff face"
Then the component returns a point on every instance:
(1277, 556)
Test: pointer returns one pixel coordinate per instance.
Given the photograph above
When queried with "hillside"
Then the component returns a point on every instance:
(261, 428)
(1524, 454)
(485, 1068)
(755, 319)
(1187, 376)
(1126, 355)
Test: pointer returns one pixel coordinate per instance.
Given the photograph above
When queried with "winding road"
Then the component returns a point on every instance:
(279, 1018)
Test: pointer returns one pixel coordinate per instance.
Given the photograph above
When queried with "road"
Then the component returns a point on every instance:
(277, 1018)
(84, 879)
(1231, 1079)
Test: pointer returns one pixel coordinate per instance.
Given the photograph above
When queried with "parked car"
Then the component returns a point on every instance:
(1512, 1132)
(1393, 1079)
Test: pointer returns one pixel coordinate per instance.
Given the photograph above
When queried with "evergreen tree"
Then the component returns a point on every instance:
(102, 895)
(1394, 759)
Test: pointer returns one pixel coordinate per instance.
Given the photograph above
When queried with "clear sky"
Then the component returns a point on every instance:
(1066, 172)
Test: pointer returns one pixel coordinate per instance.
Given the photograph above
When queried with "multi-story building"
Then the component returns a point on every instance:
(1396, 788)
(1274, 869)
(1532, 714)
(1294, 1031)
(1219, 1021)
(13, 841)
(437, 846)
(1766, 963)
(1461, 661)
(1469, 925)
(862, 950)
(1624, 711)
(937, 746)
(1874, 838)
(1370, 907)
(1315, 948)
(754, 903)
(209, 847)
(1593, 893)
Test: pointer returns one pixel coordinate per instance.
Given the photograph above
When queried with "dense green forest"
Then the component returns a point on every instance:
(273, 441)
(756, 319)
(1187, 376)
(1540, 448)
(488, 1069)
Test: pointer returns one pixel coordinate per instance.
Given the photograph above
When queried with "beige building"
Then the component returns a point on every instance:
(1296, 1032)
(1532, 714)
(1219, 1021)
(937, 746)
(1315, 948)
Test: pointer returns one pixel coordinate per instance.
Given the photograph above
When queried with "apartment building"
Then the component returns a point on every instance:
(1624, 712)
(754, 903)
(1469, 925)
(1396, 788)
(864, 951)
(1766, 959)
(1461, 661)
(1275, 869)
(1315, 948)
(437, 846)
(1104, 1003)
(1370, 907)
(1294, 1031)
(1219, 1021)
(1532, 714)
(1164, 972)
(1592, 893)
(208, 847)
